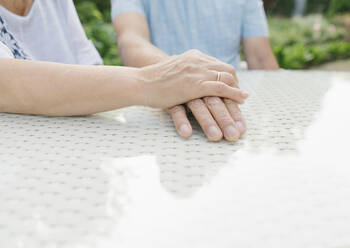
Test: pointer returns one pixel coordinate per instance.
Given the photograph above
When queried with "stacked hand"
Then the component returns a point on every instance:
(208, 86)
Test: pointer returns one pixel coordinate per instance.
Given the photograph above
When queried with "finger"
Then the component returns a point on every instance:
(205, 120)
(236, 114)
(224, 77)
(181, 122)
(220, 89)
(223, 67)
(223, 118)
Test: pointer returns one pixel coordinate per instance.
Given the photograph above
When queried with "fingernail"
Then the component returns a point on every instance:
(245, 94)
(231, 133)
(214, 132)
(185, 130)
(240, 126)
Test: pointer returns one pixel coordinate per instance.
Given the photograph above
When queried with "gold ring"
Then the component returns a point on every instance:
(218, 77)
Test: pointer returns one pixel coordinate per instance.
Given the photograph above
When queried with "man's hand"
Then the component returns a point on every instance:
(218, 118)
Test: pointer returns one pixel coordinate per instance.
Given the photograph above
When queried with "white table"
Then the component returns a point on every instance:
(125, 179)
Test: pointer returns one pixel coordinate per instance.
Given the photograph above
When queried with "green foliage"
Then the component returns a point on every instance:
(317, 6)
(286, 7)
(281, 8)
(307, 41)
(299, 56)
(339, 6)
(88, 12)
(313, 29)
(104, 39)
(99, 31)
(103, 6)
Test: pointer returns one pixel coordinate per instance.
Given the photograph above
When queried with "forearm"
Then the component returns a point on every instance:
(43, 88)
(259, 55)
(139, 52)
(264, 62)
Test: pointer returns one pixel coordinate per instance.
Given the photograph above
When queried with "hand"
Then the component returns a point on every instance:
(218, 117)
(180, 79)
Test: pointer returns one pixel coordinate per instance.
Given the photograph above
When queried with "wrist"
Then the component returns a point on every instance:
(136, 93)
(144, 87)
(127, 83)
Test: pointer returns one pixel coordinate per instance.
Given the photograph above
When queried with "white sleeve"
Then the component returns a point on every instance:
(84, 49)
(5, 52)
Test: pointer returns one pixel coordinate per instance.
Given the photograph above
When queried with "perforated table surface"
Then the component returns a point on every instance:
(125, 179)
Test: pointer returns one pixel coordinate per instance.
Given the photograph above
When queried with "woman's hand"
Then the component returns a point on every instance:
(44, 88)
(186, 77)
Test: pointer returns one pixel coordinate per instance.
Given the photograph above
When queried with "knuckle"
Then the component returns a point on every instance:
(195, 104)
(228, 79)
(220, 88)
(194, 51)
(234, 109)
(229, 103)
(191, 68)
(212, 101)
(232, 70)
(189, 77)
(194, 55)
(226, 120)
(176, 109)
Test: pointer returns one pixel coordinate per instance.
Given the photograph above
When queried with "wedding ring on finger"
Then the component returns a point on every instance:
(218, 77)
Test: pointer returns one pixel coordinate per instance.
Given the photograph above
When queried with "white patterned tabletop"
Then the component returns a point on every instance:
(125, 179)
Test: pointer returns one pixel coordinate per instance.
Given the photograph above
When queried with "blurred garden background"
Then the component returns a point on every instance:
(305, 34)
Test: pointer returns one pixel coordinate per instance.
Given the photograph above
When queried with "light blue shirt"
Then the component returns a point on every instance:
(214, 27)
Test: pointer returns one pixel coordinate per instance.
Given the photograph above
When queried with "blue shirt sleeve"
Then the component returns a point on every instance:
(123, 6)
(254, 20)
